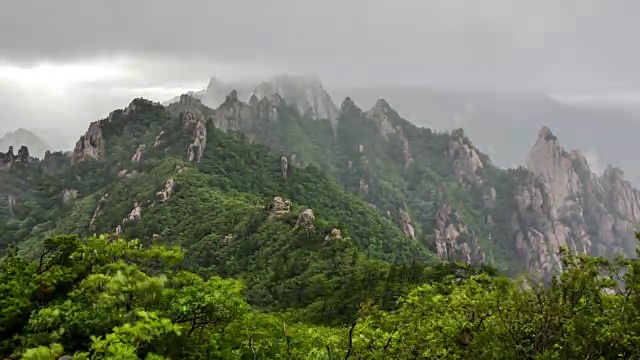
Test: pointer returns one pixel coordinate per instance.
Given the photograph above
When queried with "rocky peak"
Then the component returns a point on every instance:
(348, 106)
(620, 196)
(189, 101)
(7, 159)
(305, 93)
(278, 207)
(91, 145)
(554, 165)
(466, 158)
(380, 115)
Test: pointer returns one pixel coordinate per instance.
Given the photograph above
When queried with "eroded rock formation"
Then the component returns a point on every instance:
(405, 225)
(466, 159)
(278, 207)
(135, 214)
(164, 194)
(335, 234)
(284, 166)
(305, 219)
(138, 154)
(91, 145)
(196, 149)
(453, 241)
(69, 195)
(562, 203)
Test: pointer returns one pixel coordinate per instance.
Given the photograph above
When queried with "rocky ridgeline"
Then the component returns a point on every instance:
(566, 204)
(554, 201)
(9, 158)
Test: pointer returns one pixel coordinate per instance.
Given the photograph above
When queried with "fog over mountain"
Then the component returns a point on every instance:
(483, 66)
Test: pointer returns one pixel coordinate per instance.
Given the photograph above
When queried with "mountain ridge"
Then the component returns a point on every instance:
(437, 188)
(469, 164)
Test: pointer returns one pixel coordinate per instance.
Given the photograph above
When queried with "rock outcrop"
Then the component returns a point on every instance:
(284, 166)
(137, 156)
(306, 94)
(11, 203)
(91, 145)
(335, 234)
(135, 214)
(562, 203)
(192, 119)
(453, 241)
(8, 159)
(278, 207)
(164, 194)
(405, 225)
(69, 195)
(380, 114)
(305, 219)
(466, 159)
(96, 212)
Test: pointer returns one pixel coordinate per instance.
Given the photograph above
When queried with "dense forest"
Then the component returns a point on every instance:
(253, 232)
(110, 298)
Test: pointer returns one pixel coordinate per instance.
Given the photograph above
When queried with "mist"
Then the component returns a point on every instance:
(71, 62)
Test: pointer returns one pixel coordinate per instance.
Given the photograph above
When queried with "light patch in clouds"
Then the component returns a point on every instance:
(57, 78)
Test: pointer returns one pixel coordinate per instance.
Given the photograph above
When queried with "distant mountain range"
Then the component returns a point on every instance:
(37, 146)
(604, 131)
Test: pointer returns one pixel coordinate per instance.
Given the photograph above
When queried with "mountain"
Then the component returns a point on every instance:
(444, 192)
(256, 230)
(16, 139)
(437, 188)
(305, 93)
(487, 116)
(168, 175)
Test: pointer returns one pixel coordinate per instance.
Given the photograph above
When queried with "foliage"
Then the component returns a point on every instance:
(108, 298)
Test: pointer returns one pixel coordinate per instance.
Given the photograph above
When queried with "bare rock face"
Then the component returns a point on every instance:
(11, 203)
(159, 139)
(96, 212)
(363, 187)
(69, 195)
(138, 154)
(135, 215)
(306, 219)
(306, 94)
(562, 203)
(23, 154)
(7, 159)
(380, 114)
(54, 161)
(620, 195)
(335, 234)
(278, 207)
(91, 145)
(166, 192)
(466, 159)
(550, 161)
(406, 226)
(452, 239)
(284, 166)
(227, 239)
(196, 149)
(230, 115)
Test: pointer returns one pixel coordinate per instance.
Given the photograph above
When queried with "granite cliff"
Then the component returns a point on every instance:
(518, 217)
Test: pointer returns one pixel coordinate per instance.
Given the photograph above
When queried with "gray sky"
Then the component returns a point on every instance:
(72, 61)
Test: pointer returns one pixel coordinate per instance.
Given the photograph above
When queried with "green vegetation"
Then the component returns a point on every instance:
(213, 269)
(111, 298)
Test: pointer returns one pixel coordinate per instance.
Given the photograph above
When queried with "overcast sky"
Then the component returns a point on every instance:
(72, 61)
